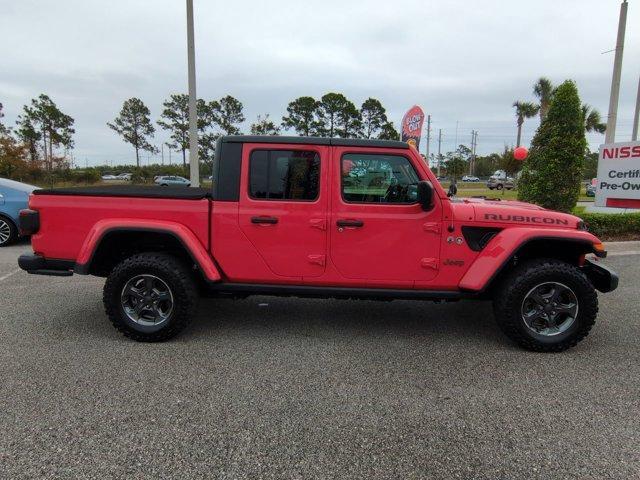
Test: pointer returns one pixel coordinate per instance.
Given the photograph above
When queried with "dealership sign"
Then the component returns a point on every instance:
(618, 183)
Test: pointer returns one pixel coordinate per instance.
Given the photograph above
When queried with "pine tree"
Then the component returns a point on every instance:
(264, 126)
(175, 119)
(551, 175)
(134, 125)
(54, 128)
(374, 117)
(229, 114)
(301, 116)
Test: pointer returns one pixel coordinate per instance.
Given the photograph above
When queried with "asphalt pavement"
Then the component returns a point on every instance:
(292, 388)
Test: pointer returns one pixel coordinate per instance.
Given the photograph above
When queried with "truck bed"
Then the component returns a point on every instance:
(135, 191)
(70, 217)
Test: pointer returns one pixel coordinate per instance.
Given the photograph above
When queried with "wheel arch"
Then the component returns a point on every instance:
(107, 244)
(505, 251)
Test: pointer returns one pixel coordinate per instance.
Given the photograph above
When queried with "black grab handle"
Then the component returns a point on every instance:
(269, 220)
(350, 223)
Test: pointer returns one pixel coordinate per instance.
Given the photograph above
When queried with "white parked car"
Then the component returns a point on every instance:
(470, 178)
(109, 177)
(125, 176)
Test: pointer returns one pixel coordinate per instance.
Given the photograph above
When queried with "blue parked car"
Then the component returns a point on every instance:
(167, 180)
(13, 198)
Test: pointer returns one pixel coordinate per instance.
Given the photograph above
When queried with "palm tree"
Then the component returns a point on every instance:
(524, 110)
(592, 120)
(543, 89)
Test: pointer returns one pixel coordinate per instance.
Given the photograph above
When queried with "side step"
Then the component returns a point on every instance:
(305, 291)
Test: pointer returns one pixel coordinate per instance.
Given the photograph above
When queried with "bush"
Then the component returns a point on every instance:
(552, 173)
(613, 226)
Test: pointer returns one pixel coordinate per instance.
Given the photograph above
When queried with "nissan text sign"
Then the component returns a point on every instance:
(618, 182)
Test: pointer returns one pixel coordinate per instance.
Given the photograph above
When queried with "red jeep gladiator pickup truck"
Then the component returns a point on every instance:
(320, 217)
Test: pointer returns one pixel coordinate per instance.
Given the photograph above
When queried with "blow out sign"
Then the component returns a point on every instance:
(412, 126)
(618, 182)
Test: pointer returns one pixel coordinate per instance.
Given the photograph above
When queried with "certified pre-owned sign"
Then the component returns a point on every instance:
(618, 183)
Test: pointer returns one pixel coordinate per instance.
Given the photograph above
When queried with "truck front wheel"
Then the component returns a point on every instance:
(150, 297)
(546, 305)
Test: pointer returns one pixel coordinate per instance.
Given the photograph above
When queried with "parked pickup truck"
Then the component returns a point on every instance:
(319, 217)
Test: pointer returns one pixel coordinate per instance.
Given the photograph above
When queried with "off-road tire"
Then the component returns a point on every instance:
(499, 187)
(510, 294)
(171, 271)
(13, 231)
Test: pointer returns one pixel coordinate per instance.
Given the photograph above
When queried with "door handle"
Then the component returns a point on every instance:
(350, 223)
(264, 220)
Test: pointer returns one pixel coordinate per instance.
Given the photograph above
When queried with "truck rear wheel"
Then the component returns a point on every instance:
(546, 305)
(150, 297)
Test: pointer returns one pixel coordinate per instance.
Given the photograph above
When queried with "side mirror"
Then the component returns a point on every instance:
(425, 195)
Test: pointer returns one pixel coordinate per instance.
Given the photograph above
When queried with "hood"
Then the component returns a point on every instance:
(511, 212)
(497, 203)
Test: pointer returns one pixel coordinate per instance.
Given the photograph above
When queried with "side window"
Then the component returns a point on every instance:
(370, 178)
(284, 175)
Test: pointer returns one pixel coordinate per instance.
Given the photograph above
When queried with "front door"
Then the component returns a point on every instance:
(378, 230)
(283, 207)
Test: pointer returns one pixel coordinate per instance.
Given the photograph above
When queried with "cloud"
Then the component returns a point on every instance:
(464, 62)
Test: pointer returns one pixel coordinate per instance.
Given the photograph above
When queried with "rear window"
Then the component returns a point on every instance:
(284, 175)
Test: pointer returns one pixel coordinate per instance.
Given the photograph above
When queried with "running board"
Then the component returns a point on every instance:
(245, 289)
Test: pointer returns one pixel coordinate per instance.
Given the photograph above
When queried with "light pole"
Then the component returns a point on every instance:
(634, 135)
(193, 116)
(610, 134)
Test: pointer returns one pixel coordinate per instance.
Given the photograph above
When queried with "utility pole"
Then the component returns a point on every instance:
(472, 163)
(455, 147)
(610, 135)
(193, 118)
(162, 148)
(439, 148)
(634, 135)
(169, 154)
(428, 136)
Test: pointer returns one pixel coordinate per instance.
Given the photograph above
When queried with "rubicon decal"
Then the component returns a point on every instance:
(525, 219)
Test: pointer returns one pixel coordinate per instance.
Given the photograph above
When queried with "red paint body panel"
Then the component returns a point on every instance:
(296, 246)
(397, 246)
(391, 245)
(502, 247)
(71, 226)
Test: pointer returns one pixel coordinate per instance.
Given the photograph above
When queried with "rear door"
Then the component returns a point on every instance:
(283, 206)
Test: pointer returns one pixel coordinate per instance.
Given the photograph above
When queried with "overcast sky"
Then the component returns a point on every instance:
(462, 61)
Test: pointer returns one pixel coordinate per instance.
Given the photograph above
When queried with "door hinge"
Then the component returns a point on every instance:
(317, 259)
(431, 227)
(319, 223)
(429, 263)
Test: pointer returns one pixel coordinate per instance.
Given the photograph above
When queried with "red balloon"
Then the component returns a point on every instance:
(520, 153)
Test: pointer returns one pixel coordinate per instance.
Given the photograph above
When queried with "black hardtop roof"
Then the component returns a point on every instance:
(342, 142)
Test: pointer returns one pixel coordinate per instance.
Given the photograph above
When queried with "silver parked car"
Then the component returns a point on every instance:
(501, 182)
(167, 180)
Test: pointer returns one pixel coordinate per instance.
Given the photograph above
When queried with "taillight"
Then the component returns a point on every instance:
(29, 222)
